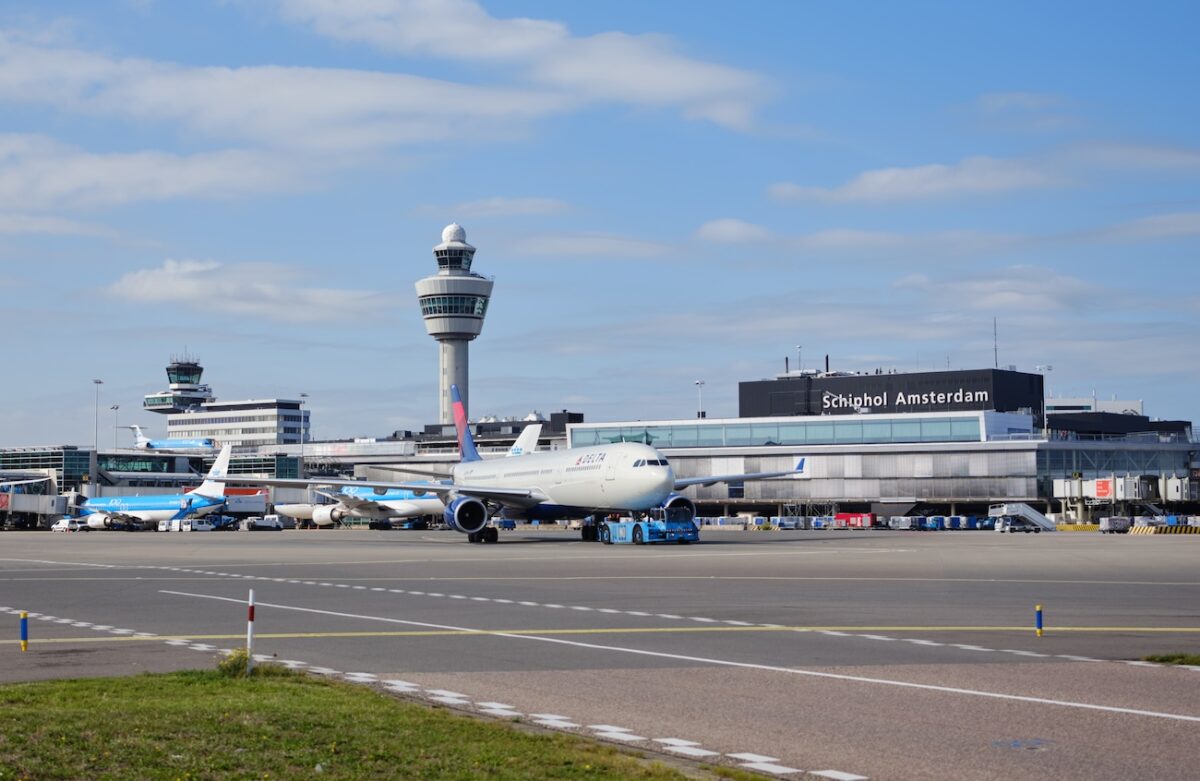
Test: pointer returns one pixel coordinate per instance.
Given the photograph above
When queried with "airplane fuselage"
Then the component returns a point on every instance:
(578, 481)
(151, 508)
(394, 503)
(179, 444)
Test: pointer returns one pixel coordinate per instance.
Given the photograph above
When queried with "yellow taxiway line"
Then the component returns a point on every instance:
(632, 630)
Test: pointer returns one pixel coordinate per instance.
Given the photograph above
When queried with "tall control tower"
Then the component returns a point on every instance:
(453, 303)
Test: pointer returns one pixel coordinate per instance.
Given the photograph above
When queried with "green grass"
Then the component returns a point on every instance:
(212, 725)
(1174, 659)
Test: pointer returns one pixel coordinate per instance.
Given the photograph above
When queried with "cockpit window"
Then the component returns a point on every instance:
(650, 462)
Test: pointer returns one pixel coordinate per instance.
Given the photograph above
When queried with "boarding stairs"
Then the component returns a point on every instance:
(1022, 510)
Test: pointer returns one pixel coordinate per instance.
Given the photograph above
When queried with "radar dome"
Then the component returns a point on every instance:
(454, 232)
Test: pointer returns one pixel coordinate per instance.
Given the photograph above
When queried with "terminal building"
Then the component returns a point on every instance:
(910, 443)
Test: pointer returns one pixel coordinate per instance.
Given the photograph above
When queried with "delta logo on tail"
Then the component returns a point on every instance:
(466, 445)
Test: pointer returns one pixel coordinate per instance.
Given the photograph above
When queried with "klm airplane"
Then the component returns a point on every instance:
(146, 443)
(113, 512)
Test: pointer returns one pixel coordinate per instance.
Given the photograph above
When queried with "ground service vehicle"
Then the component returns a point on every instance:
(1115, 525)
(660, 525)
(69, 525)
(1013, 525)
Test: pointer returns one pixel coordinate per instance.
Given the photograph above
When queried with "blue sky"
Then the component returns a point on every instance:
(664, 192)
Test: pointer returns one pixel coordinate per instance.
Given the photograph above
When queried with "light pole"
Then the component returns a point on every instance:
(96, 428)
(799, 357)
(303, 396)
(700, 398)
(114, 409)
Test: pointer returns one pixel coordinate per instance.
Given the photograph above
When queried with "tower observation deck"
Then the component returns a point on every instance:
(453, 302)
(186, 393)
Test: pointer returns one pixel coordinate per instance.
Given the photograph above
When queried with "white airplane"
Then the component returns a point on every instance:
(619, 477)
(384, 504)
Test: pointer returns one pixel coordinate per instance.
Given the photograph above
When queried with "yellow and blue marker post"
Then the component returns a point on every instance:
(1038, 610)
(24, 630)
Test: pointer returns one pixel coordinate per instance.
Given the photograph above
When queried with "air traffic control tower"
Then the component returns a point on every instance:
(453, 303)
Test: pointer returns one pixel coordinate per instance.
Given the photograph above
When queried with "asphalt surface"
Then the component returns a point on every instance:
(885, 655)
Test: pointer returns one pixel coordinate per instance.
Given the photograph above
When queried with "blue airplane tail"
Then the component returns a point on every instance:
(466, 445)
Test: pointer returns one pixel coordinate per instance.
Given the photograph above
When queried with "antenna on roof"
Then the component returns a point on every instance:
(995, 344)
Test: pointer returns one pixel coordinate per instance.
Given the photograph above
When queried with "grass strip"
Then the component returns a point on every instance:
(1189, 659)
(208, 725)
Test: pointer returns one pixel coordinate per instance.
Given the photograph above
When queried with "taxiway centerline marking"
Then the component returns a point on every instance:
(727, 662)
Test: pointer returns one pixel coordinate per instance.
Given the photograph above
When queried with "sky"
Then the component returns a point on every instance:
(664, 192)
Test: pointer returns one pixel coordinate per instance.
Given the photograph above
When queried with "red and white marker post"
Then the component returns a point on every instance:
(250, 634)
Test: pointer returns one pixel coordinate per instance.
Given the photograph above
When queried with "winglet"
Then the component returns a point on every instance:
(214, 482)
(466, 445)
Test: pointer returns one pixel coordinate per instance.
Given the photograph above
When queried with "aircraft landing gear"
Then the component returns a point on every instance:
(488, 534)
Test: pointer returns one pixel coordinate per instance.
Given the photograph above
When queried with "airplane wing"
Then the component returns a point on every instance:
(519, 495)
(406, 470)
(714, 479)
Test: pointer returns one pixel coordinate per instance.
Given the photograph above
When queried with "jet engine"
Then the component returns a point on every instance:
(679, 507)
(98, 521)
(466, 515)
(328, 515)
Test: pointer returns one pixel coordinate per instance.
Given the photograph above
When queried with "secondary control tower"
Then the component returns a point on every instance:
(185, 394)
(453, 303)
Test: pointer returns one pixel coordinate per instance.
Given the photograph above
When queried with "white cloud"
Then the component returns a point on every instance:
(1159, 226)
(971, 176)
(259, 290)
(18, 224)
(593, 246)
(1023, 112)
(504, 207)
(1137, 157)
(931, 243)
(1019, 289)
(36, 172)
(336, 112)
(731, 231)
(611, 66)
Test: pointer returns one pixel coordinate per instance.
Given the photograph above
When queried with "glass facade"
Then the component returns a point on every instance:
(462, 306)
(1062, 463)
(454, 258)
(792, 432)
(70, 464)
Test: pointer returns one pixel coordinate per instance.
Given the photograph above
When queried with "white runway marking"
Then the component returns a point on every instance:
(723, 662)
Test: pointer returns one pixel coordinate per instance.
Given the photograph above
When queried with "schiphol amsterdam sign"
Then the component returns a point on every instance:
(902, 401)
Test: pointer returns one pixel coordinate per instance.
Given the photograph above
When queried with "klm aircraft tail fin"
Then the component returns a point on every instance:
(214, 482)
(466, 445)
(527, 442)
(142, 439)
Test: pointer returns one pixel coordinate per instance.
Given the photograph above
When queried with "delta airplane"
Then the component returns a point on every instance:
(378, 504)
(146, 443)
(620, 477)
(123, 511)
